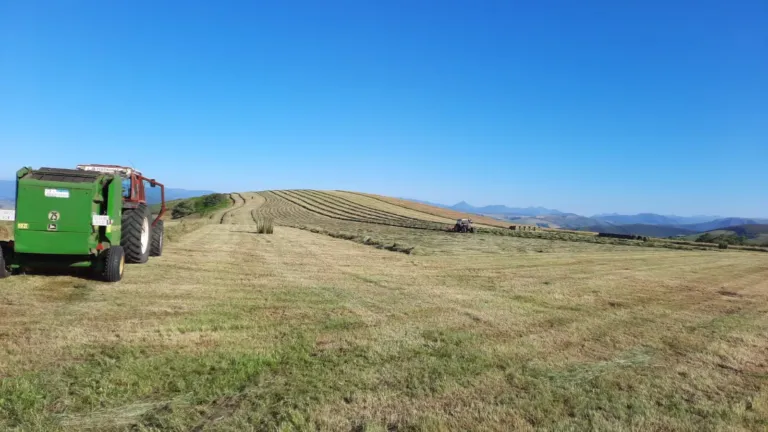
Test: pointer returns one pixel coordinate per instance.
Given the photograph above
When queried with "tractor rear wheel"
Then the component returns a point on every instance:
(114, 264)
(3, 271)
(137, 230)
(156, 249)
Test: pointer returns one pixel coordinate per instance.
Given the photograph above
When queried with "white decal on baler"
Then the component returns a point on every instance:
(101, 220)
(57, 193)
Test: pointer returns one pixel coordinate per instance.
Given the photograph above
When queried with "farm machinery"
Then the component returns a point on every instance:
(94, 216)
(463, 226)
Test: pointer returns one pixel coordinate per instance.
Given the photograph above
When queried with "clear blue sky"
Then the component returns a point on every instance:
(589, 107)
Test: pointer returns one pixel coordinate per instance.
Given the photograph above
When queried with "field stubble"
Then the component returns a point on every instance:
(232, 330)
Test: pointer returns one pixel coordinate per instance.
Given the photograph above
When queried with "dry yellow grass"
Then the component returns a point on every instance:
(6, 230)
(437, 211)
(374, 203)
(231, 330)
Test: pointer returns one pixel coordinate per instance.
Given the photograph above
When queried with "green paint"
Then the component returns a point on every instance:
(54, 218)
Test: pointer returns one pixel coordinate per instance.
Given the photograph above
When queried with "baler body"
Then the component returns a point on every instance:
(65, 217)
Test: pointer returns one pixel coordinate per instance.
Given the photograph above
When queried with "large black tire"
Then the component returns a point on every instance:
(136, 235)
(3, 271)
(114, 264)
(156, 249)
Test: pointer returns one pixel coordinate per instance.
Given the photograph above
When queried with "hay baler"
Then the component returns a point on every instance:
(95, 216)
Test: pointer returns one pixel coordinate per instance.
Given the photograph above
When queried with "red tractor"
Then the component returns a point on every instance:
(463, 226)
(141, 237)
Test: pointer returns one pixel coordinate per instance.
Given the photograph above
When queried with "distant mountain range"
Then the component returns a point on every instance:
(8, 193)
(653, 219)
(504, 210)
(501, 211)
(648, 224)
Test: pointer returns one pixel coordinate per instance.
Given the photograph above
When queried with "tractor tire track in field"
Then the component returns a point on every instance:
(237, 202)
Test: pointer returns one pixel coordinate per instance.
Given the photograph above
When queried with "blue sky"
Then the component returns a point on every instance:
(588, 107)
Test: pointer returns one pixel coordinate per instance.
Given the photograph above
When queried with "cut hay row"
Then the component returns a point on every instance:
(322, 206)
(393, 220)
(391, 208)
(311, 207)
(354, 207)
(237, 202)
(381, 208)
(357, 211)
(432, 210)
(335, 214)
(286, 213)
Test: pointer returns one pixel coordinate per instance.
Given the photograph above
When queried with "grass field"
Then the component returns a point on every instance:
(297, 330)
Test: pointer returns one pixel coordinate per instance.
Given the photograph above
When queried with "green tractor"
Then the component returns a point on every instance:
(95, 216)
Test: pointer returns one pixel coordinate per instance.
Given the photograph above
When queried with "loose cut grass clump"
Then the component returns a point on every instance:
(264, 226)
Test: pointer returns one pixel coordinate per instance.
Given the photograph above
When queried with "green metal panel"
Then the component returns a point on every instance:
(54, 243)
(114, 210)
(54, 217)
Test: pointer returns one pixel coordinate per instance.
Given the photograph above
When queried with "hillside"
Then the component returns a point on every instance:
(719, 223)
(753, 234)
(503, 211)
(640, 229)
(641, 218)
(563, 220)
(447, 213)
(653, 219)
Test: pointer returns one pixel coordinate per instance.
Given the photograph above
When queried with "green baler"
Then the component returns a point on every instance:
(81, 218)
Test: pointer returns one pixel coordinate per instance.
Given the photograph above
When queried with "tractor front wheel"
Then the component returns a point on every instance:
(137, 232)
(156, 249)
(114, 264)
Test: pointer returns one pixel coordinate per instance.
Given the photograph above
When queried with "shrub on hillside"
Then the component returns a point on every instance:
(213, 200)
(731, 239)
(184, 208)
(202, 205)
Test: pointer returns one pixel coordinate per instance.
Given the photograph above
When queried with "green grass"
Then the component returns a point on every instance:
(202, 206)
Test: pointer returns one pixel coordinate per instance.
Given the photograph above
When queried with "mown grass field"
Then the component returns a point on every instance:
(297, 330)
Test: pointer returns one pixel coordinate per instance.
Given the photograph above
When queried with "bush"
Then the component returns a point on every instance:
(213, 200)
(731, 239)
(202, 205)
(184, 208)
(722, 245)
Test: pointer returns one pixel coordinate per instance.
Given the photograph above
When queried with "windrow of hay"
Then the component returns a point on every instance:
(366, 240)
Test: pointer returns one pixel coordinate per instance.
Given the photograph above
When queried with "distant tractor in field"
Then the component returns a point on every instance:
(463, 226)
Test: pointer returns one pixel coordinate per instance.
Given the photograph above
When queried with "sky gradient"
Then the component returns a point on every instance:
(587, 107)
